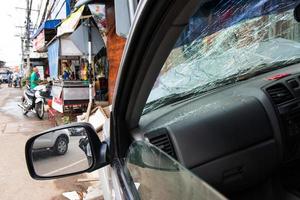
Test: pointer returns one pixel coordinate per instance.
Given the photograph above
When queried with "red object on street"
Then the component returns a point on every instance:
(50, 102)
(278, 76)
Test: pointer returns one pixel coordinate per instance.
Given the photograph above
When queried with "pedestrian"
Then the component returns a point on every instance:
(67, 75)
(9, 78)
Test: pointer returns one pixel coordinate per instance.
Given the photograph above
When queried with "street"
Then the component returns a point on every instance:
(14, 177)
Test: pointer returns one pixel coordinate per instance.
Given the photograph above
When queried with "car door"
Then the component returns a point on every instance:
(142, 170)
(45, 141)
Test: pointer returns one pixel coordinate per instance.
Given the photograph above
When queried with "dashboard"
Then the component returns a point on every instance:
(235, 136)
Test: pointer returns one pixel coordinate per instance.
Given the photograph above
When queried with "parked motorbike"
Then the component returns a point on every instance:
(16, 82)
(86, 148)
(9, 82)
(34, 100)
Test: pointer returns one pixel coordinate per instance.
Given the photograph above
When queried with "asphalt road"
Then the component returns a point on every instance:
(47, 163)
(15, 129)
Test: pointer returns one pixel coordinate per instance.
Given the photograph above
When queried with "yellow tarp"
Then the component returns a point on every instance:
(70, 24)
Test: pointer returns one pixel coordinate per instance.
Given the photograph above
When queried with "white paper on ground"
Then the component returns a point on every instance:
(71, 195)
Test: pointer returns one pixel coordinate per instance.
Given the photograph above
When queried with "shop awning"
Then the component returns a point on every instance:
(49, 24)
(83, 2)
(68, 48)
(70, 24)
(60, 47)
(80, 39)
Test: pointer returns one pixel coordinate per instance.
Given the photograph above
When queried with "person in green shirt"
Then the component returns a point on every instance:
(34, 78)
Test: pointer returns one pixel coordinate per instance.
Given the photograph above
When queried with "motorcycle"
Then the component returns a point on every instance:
(9, 82)
(86, 148)
(16, 81)
(34, 100)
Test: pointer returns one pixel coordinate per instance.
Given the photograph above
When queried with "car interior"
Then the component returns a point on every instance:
(242, 138)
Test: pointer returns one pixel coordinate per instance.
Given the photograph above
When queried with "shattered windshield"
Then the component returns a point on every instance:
(225, 41)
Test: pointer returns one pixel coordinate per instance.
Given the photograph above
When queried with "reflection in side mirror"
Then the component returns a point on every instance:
(65, 150)
(60, 152)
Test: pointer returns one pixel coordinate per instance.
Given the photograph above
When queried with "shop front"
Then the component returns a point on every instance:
(68, 55)
(45, 33)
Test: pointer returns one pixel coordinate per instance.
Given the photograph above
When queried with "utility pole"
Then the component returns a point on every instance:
(22, 62)
(22, 52)
(26, 38)
(27, 46)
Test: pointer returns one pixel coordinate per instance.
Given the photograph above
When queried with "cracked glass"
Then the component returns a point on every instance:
(227, 42)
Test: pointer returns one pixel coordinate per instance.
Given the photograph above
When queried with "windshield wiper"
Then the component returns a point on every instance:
(237, 77)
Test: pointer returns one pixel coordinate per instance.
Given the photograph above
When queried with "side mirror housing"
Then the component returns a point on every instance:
(64, 151)
(297, 13)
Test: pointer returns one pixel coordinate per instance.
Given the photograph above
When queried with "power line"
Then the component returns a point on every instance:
(30, 7)
(60, 9)
(39, 13)
(57, 3)
(20, 8)
(51, 9)
(44, 13)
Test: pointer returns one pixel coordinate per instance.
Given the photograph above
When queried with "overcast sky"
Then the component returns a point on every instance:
(10, 17)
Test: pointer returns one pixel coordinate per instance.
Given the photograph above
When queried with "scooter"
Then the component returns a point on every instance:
(34, 100)
(9, 82)
(86, 148)
(16, 82)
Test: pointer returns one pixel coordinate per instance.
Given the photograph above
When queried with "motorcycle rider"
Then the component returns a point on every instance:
(34, 78)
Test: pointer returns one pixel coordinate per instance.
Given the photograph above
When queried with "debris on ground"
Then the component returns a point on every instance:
(97, 118)
(73, 195)
(92, 193)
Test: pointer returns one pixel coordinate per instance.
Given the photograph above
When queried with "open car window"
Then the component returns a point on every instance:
(226, 42)
(156, 175)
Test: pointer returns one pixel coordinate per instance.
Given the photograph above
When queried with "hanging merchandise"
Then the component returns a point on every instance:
(98, 12)
(53, 58)
(84, 71)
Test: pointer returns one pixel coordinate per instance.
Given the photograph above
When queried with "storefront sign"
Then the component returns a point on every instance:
(57, 101)
(39, 42)
(98, 12)
(57, 104)
(41, 72)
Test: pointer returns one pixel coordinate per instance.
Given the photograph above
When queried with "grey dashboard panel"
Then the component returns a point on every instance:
(231, 136)
(219, 128)
(242, 169)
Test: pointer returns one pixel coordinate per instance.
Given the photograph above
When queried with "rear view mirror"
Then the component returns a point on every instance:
(65, 150)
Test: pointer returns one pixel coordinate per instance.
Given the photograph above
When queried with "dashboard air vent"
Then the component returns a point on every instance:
(161, 139)
(279, 93)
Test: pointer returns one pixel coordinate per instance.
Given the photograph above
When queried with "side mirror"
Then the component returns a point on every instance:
(64, 151)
